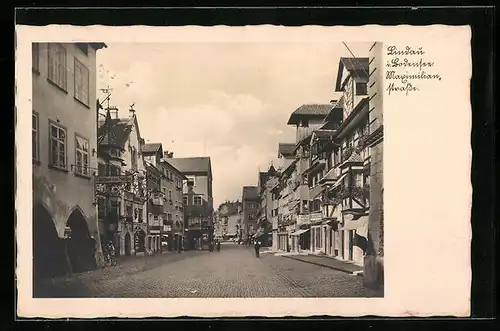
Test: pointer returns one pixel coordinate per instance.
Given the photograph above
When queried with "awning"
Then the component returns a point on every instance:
(356, 224)
(339, 181)
(299, 232)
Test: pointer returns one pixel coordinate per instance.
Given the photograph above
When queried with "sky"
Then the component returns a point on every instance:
(229, 101)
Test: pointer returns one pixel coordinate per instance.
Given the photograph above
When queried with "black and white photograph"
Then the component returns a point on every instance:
(157, 175)
(198, 166)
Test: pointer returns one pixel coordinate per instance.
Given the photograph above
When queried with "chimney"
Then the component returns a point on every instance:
(165, 154)
(170, 155)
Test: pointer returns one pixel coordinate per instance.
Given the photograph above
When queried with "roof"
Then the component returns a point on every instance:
(119, 133)
(151, 147)
(189, 165)
(355, 65)
(250, 192)
(354, 158)
(98, 46)
(163, 161)
(286, 149)
(310, 111)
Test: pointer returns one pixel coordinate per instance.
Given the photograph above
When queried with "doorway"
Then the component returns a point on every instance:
(128, 244)
(49, 259)
(80, 246)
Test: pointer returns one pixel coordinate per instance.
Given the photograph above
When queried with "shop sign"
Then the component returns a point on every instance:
(114, 179)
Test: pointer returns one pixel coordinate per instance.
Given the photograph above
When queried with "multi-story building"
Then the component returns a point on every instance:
(280, 194)
(306, 119)
(320, 175)
(152, 154)
(286, 213)
(126, 218)
(229, 219)
(173, 230)
(339, 149)
(198, 200)
(374, 258)
(250, 200)
(64, 132)
(267, 181)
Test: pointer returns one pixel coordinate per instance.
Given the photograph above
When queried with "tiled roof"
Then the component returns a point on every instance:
(151, 147)
(119, 133)
(310, 111)
(352, 64)
(330, 176)
(188, 165)
(355, 158)
(250, 192)
(356, 66)
(286, 149)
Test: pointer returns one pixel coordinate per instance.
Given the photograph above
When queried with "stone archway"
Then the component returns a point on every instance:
(128, 244)
(49, 259)
(80, 246)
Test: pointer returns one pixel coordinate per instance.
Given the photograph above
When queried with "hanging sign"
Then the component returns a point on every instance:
(113, 179)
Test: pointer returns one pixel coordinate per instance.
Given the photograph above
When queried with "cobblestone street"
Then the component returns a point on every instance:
(232, 272)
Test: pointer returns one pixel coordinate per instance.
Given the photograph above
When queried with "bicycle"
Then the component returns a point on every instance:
(110, 259)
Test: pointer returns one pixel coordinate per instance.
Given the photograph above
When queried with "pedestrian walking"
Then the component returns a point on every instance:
(256, 245)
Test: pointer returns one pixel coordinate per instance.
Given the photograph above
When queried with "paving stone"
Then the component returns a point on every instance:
(232, 272)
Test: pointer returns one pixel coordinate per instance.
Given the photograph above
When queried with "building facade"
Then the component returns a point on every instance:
(267, 181)
(228, 219)
(123, 189)
(198, 200)
(281, 194)
(173, 227)
(306, 212)
(152, 154)
(250, 200)
(65, 227)
(374, 258)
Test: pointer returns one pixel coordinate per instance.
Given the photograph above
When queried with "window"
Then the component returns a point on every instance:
(82, 156)
(305, 123)
(114, 170)
(251, 216)
(197, 200)
(34, 137)
(361, 89)
(57, 65)
(81, 83)
(155, 220)
(35, 57)
(185, 200)
(192, 180)
(57, 146)
(250, 206)
(170, 195)
(358, 180)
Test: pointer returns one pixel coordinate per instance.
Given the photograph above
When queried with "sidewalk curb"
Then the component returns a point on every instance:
(354, 273)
